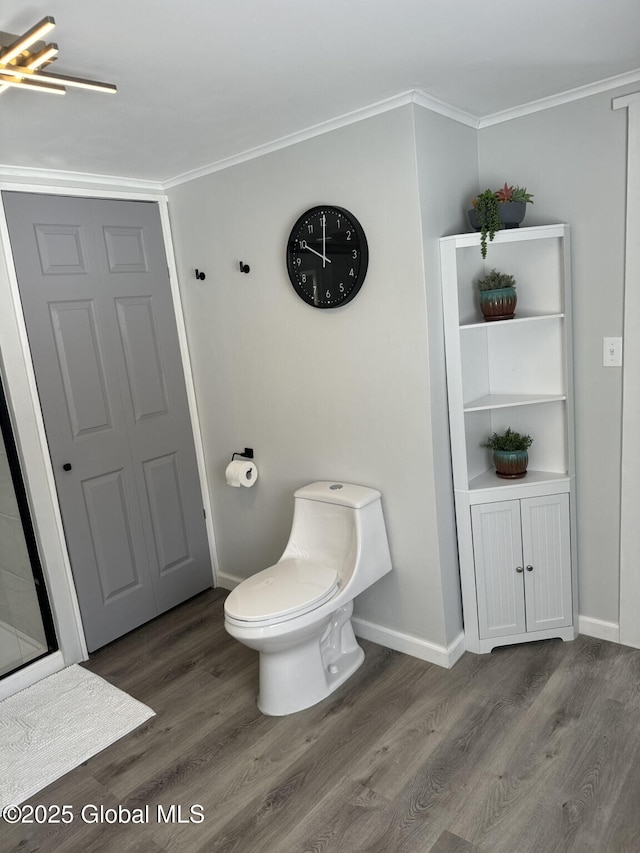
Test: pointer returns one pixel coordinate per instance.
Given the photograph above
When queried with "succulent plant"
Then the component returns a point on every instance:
(505, 193)
(521, 194)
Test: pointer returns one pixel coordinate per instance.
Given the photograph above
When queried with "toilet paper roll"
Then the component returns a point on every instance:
(241, 473)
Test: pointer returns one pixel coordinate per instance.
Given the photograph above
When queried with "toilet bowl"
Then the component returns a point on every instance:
(297, 613)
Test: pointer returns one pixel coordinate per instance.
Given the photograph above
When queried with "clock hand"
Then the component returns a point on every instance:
(305, 245)
(324, 241)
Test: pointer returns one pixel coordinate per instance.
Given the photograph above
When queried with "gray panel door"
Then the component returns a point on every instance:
(94, 285)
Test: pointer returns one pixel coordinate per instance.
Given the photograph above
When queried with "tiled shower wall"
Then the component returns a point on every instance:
(23, 634)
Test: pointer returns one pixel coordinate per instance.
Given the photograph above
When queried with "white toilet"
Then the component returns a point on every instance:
(297, 613)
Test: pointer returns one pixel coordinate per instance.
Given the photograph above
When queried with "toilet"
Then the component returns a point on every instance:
(297, 613)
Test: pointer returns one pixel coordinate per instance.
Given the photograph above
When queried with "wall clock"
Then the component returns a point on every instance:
(327, 256)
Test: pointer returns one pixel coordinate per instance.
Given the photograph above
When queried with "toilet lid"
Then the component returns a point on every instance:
(288, 589)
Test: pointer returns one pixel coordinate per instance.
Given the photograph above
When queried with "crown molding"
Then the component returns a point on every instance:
(562, 98)
(26, 175)
(445, 109)
(293, 138)
(412, 96)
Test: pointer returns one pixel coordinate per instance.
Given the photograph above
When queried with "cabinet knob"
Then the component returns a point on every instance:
(67, 466)
(519, 569)
(529, 568)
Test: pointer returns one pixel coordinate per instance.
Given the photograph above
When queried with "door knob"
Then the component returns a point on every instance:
(67, 466)
(529, 568)
(519, 569)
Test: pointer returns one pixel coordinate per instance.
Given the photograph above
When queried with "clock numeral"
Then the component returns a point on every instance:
(328, 294)
(354, 254)
(298, 261)
(342, 288)
(303, 278)
(315, 291)
(310, 228)
(348, 235)
(351, 272)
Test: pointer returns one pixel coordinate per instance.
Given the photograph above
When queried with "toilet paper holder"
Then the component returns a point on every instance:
(248, 453)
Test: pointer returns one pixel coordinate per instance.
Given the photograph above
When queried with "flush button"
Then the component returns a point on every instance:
(336, 486)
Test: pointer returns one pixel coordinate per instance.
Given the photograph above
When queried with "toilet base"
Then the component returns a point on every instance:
(296, 678)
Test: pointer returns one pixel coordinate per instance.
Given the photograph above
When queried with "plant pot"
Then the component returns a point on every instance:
(511, 214)
(510, 464)
(498, 304)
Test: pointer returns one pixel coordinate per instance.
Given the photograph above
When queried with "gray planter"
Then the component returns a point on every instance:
(511, 214)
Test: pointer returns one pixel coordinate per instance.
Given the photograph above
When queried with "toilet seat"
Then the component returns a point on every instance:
(287, 589)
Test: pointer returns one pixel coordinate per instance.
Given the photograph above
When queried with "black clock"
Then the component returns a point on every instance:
(327, 256)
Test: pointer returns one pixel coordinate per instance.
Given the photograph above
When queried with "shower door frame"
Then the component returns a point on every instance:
(7, 432)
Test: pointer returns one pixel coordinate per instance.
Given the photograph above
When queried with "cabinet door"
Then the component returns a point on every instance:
(547, 558)
(497, 545)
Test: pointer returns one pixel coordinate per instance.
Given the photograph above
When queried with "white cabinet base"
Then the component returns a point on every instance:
(474, 644)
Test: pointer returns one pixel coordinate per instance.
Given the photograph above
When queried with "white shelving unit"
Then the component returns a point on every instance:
(517, 563)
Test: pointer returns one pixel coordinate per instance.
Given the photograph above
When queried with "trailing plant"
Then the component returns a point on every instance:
(508, 441)
(496, 281)
(487, 206)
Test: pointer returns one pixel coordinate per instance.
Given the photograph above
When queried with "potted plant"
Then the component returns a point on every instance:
(510, 455)
(498, 296)
(496, 209)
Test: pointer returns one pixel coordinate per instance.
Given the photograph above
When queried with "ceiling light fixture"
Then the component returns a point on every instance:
(22, 59)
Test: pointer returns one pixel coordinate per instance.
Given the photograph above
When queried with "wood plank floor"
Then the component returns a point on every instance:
(531, 749)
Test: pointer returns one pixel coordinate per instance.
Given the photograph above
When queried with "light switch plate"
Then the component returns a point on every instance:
(612, 352)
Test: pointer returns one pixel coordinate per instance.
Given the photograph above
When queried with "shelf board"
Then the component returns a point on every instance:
(508, 401)
(489, 480)
(521, 317)
(507, 235)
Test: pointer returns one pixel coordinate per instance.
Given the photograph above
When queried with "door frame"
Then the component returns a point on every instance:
(23, 398)
(629, 625)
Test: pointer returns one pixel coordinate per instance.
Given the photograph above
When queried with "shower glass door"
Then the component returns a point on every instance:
(26, 625)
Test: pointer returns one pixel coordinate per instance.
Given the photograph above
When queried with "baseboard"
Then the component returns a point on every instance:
(409, 644)
(441, 655)
(229, 582)
(388, 637)
(599, 629)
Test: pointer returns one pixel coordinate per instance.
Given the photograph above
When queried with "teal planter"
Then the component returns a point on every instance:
(498, 304)
(511, 464)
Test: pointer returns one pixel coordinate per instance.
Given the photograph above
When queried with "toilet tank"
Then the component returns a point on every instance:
(341, 525)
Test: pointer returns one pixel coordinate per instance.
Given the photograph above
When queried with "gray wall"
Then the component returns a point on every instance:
(446, 158)
(573, 158)
(342, 394)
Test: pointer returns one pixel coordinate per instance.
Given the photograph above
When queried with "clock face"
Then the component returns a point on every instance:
(327, 256)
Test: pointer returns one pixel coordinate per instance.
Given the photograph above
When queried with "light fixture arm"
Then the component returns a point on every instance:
(24, 42)
(21, 68)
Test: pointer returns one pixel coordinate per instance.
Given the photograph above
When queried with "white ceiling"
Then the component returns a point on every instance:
(201, 81)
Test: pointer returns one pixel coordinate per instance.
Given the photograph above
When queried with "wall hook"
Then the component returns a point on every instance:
(244, 267)
(200, 275)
